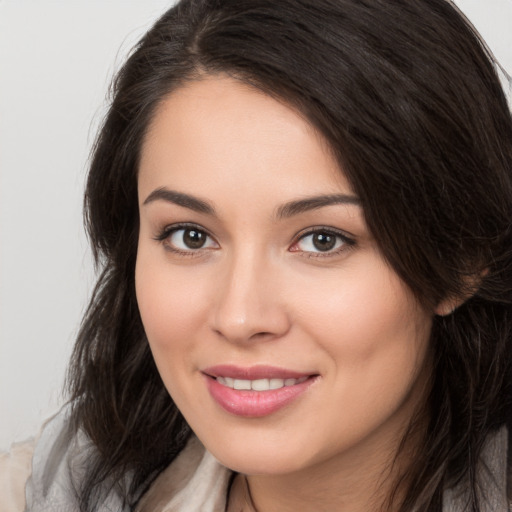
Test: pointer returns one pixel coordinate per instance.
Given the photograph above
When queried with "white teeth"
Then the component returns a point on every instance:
(242, 384)
(277, 383)
(258, 384)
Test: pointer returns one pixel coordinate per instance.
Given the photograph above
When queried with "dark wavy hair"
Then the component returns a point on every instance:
(408, 98)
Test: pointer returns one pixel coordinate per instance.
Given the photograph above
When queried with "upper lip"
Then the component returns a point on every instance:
(254, 372)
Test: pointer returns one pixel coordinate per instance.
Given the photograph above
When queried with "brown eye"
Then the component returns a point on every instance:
(188, 239)
(324, 241)
(193, 238)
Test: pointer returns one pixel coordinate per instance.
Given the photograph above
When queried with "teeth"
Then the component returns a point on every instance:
(258, 384)
(277, 383)
(262, 385)
(242, 384)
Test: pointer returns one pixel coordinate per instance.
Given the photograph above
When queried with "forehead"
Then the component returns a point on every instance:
(218, 130)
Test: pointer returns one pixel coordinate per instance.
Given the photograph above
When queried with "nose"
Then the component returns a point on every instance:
(249, 303)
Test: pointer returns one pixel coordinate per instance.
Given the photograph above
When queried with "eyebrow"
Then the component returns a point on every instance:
(284, 211)
(180, 199)
(313, 203)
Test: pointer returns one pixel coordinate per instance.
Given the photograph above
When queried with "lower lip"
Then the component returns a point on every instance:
(255, 404)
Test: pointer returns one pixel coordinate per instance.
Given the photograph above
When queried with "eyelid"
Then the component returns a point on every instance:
(348, 240)
(166, 232)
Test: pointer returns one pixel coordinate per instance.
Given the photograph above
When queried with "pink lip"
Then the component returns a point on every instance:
(253, 372)
(249, 403)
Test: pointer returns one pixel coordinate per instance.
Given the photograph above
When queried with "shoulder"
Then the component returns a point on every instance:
(30, 472)
(59, 464)
(15, 467)
(195, 480)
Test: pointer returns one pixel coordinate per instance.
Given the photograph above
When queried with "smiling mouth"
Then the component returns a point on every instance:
(258, 391)
(258, 384)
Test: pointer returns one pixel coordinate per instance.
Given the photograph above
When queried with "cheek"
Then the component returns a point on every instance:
(360, 309)
(373, 332)
(171, 304)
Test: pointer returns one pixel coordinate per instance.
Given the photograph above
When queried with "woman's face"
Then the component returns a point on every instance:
(279, 330)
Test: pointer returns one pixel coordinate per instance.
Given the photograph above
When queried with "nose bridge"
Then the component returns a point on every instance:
(248, 302)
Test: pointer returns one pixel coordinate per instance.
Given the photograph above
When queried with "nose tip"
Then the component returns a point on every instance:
(249, 307)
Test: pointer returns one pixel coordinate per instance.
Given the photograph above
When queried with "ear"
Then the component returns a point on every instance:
(448, 305)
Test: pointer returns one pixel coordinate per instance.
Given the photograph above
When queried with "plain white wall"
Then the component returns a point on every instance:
(56, 61)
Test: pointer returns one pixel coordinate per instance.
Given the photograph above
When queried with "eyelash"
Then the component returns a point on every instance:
(168, 231)
(346, 241)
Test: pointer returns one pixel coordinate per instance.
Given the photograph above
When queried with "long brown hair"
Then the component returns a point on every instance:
(409, 101)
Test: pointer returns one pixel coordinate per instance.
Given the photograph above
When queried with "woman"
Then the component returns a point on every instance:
(302, 215)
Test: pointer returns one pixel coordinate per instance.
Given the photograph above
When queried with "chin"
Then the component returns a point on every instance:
(262, 463)
(258, 453)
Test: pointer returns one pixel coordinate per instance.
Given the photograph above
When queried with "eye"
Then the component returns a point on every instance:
(320, 241)
(189, 239)
(186, 239)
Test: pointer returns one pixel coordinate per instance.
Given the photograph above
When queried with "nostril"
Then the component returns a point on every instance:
(261, 335)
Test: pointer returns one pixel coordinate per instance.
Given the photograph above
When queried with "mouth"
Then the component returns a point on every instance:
(256, 391)
(258, 384)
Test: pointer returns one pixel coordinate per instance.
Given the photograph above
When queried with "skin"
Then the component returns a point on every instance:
(259, 292)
